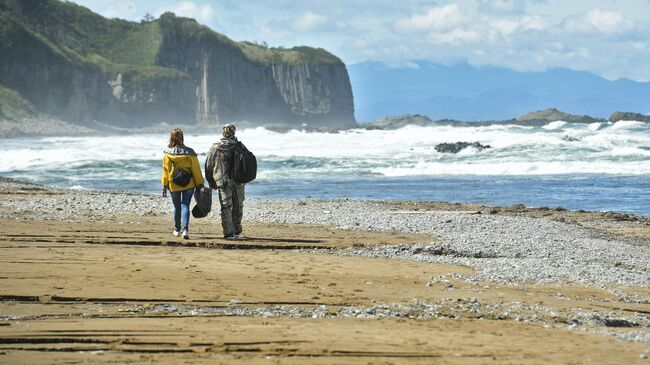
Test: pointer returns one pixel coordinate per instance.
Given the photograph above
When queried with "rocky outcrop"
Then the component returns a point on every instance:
(459, 146)
(399, 121)
(552, 115)
(171, 70)
(617, 116)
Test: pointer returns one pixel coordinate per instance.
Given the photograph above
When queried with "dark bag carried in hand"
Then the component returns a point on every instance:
(244, 165)
(203, 199)
(181, 177)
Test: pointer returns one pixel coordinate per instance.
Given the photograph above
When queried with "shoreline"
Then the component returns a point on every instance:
(102, 271)
(469, 232)
(596, 220)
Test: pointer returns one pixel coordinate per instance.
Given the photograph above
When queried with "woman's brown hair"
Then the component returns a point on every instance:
(175, 138)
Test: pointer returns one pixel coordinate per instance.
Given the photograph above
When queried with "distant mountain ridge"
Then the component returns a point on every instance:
(61, 59)
(465, 92)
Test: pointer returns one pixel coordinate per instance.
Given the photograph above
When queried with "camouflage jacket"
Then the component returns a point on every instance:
(218, 161)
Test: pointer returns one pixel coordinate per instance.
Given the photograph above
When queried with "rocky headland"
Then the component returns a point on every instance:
(62, 61)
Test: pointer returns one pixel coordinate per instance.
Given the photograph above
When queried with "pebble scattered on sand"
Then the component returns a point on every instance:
(504, 249)
(501, 248)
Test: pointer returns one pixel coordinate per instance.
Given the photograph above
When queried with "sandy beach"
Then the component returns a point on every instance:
(97, 277)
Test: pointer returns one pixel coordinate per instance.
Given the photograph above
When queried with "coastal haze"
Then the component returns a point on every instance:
(457, 182)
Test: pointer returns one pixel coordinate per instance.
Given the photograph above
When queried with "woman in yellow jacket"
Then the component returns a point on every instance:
(179, 156)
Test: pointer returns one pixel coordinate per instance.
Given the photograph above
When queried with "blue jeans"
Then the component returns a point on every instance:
(181, 200)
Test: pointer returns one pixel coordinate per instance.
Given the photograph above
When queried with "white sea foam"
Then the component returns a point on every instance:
(516, 150)
(595, 126)
(558, 124)
(629, 124)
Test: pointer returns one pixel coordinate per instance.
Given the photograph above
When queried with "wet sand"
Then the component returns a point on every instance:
(97, 291)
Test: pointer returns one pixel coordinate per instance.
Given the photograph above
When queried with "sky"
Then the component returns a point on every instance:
(609, 38)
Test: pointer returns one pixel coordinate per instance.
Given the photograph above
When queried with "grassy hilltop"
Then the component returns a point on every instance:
(70, 34)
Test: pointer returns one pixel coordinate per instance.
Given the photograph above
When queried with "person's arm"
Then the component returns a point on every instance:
(196, 172)
(209, 167)
(164, 180)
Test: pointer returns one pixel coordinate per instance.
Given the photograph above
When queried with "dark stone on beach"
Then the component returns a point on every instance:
(616, 322)
(619, 216)
(459, 146)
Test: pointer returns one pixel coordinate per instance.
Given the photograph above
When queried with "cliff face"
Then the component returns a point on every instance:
(229, 85)
(81, 67)
(54, 82)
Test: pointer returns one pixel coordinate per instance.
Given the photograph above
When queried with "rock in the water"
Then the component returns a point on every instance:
(617, 116)
(458, 146)
(552, 115)
(400, 121)
(570, 139)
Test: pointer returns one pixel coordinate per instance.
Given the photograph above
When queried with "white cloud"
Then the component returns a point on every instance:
(190, 9)
(602, 21)
(503, 6)
(608, 21)
(436, 19)
(455, 37)
(309, 21)
(534, 23)
(505, 26)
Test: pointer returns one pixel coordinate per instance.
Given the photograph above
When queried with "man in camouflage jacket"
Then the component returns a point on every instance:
(218, 174)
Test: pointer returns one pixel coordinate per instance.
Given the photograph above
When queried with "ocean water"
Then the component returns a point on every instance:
(600, 166)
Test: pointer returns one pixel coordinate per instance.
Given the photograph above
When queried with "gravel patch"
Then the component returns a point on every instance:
(504, 249)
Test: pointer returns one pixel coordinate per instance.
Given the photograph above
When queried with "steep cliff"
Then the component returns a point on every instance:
(54, 81)
(79, 66)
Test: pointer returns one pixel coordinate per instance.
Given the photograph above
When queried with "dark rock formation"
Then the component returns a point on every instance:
(76, 65)
(552, 115)
(616, 116)
(399, 121)
(458, 146)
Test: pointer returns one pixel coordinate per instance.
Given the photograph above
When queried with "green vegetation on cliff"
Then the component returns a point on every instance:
(76, 65)
(13, 106)
(190, 29)
(130, 48)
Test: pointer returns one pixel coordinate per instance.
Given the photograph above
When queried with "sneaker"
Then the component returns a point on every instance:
(230, 237)
(185, 234)
(176, 233)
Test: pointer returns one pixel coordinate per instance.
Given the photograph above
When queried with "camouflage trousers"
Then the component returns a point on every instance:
(231, 198)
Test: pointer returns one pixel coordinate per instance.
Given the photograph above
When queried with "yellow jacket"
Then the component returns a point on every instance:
(180, 157)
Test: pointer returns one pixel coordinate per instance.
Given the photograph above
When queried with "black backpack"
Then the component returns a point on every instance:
(180, 176)
(244, 164)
